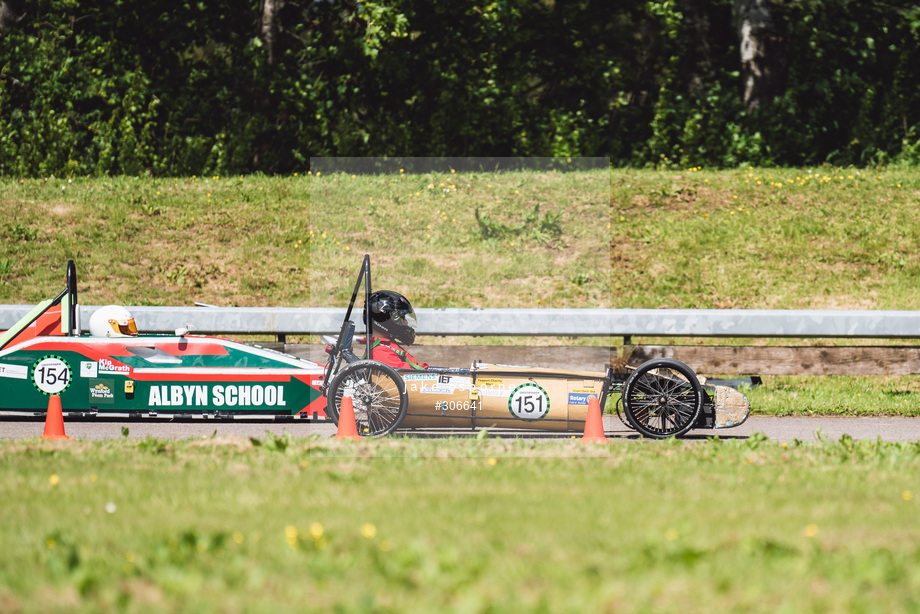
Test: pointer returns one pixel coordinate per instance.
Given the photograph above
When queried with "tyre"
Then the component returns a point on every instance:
(662, 398)
(378, 394)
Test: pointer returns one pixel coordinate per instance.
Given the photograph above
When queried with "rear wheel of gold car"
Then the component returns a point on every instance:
(378, 396)
(662, 398)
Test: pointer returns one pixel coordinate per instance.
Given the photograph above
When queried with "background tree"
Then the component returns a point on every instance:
(11, 13)
(185, 87)
(763, 52)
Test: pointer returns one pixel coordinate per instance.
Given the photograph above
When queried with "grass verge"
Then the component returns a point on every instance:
(281, 524)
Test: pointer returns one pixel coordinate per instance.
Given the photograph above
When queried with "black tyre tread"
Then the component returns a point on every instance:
(374, 421)
(692, 399)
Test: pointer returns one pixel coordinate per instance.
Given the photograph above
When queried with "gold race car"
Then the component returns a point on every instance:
(660, 398)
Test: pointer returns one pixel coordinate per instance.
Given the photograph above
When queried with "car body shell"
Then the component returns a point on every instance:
(46, 354)
(518, 397)
(157, 375)
(500, 396)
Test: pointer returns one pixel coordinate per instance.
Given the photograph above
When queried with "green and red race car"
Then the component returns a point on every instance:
(145, 376)
(178, 375)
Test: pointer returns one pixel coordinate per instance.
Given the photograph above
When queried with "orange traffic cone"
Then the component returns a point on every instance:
(54, 420)
(594, 424)
(347, 427)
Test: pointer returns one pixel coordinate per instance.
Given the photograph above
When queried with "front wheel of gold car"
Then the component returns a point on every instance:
(378, 395)
(662, 398)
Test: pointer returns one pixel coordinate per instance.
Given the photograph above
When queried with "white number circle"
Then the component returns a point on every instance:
(528, 401)
(51, 375)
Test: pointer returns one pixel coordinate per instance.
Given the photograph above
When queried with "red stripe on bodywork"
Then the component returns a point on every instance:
(166, 377)
(191, 348)
(95, 351)
(113, 349)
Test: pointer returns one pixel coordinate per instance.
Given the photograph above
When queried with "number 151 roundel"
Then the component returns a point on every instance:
(529, 401)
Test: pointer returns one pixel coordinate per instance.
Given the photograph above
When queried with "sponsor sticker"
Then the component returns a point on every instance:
(89, 368)
(494, 391)
(101, 391)
(107, 366)
(446, 385)
(436, 390)
(419, 376)
(14, 371)
(490, 381)
(580, 398)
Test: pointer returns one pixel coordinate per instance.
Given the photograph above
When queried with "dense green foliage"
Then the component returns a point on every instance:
(185, 87)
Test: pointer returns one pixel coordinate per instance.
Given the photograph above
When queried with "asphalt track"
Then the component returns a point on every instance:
(780, 429)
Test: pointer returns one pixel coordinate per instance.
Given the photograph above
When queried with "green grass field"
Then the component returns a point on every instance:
(822, 238)
(481, 525)
(402, 525)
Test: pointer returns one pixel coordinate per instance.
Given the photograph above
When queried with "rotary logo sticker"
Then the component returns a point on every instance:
(529, 401)
(51, 375)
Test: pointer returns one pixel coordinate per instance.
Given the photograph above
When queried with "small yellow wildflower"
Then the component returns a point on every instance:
(290, 535)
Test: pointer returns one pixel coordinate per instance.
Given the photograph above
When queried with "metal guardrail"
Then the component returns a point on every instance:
(282, 321)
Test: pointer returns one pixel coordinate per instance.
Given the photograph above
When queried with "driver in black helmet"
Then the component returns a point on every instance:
(394, 320)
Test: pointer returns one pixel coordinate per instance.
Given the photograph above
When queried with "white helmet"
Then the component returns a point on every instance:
(112, 321)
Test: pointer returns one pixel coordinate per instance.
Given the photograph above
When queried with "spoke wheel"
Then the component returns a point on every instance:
(378, 394)
(662, 398)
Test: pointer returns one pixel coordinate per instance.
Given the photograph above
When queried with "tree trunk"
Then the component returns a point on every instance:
(763, 52)
(271, 19)
(11, 13)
